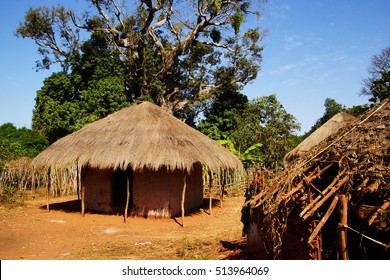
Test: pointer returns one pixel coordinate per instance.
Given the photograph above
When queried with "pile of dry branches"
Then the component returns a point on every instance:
(354, 164)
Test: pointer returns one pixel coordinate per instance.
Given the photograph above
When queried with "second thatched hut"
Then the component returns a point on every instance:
(333, 202)
(141, 159)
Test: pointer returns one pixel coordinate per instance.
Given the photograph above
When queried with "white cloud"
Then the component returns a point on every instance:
(291, 42)
(291, 82)
(283, 68)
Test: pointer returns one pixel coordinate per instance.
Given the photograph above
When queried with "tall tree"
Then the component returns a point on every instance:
(377, 85)
(175, 51)
(332, 107)
(266, 121)
(93, 88)
(220, 116)
(18, 142)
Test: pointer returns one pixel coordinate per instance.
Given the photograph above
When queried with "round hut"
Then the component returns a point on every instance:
(332, 202)
(140, 159)
(332, 126)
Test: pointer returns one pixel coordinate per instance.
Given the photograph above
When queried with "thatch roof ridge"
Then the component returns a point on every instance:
(329, 128)
(141, 136)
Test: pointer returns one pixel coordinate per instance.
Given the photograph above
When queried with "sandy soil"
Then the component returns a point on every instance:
(31, 232)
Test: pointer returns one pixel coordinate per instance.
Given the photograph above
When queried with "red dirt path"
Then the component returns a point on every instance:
(31, 232)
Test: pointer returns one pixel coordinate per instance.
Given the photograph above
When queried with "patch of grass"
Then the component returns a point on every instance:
(10, 196)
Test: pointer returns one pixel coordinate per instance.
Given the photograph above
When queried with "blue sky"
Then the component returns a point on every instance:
(313, 50)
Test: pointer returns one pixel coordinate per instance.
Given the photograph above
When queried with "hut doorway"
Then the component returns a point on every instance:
(119, 188)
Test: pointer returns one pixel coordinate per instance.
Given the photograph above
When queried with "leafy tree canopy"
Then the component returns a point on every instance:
(265, 121)
(94, 88)
(377, 85)
(221, 113)
(332, 107)
(19, 142)
(175, 52)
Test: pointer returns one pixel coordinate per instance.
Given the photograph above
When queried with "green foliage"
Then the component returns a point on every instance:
(221, 114)
(94, 89)
(49, 27)
(19, 142)
(248, 157)
(377, 85)
(357, 110)
(8, 195)
(236, 21)
(266, 121)
(331, 108)
(163, 53)
(380, 88)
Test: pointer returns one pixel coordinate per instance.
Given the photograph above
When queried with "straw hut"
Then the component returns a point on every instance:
(333, 202)
(140, 159)
(332, 126)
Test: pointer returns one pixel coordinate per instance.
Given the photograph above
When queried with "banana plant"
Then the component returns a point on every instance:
(247, 157)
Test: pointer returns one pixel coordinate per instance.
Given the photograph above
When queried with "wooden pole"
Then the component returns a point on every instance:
(48, 189)
(324, 219)
(223, 178)
(183, 196)
(342, 229)
(127, 193)
(82, 200)
(210, 194)
(78, 181)
(83, 190)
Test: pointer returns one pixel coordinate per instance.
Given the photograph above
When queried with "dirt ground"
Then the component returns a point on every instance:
(31, 232)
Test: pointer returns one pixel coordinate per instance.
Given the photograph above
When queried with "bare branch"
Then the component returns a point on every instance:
(224, 46)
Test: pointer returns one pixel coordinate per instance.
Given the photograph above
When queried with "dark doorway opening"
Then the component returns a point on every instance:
(119, 188)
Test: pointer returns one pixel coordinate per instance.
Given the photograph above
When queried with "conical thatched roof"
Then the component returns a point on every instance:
(329, 128)
(140, 136)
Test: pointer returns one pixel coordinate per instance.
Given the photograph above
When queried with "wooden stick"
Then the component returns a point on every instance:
(127, 194)
(381, 209)
(83, 191)
(323, 220)
(183, 195)
(83, 200)
(222, 187)
(322, 194)
(48, 190)
(330, 193)
(342, 230)
(210, 194)
(78, 180)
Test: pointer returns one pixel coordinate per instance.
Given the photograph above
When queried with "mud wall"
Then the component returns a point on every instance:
(98, 190)
(158, 193)
(154, 194)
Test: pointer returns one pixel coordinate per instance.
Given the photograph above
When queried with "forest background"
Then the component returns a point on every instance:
(194, 58)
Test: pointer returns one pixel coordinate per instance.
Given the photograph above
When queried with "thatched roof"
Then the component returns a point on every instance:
(141, 136)
(329, 128)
